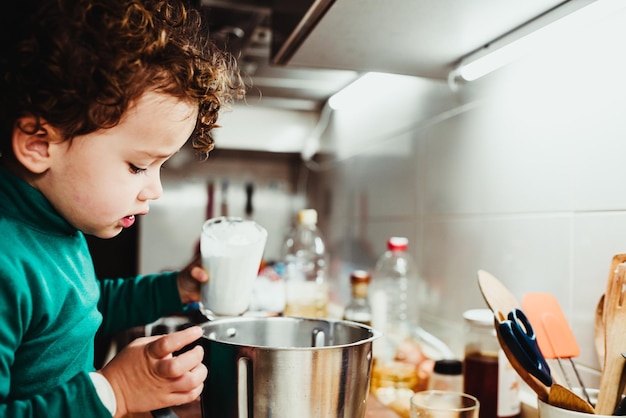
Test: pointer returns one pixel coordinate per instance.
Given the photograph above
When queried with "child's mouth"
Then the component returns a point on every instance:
(128, 221)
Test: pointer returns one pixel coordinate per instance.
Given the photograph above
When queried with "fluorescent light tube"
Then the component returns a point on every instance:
(360, 90)
(548, 27)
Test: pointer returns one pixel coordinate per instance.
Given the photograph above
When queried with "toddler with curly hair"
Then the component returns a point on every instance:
(95, 96)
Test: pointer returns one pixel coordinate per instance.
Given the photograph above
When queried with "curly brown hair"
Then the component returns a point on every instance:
(79, 64)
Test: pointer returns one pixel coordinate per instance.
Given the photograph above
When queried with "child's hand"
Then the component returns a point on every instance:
(189, 280)
(146, 376)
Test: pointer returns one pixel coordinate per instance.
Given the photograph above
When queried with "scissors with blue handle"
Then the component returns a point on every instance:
(520, 338)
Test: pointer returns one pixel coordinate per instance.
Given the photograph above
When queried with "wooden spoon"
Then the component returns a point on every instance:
(498, 297)
(598, 331)
(542, 391)
(611, 385)
(562, 397)
(501, 301)
(555, 394)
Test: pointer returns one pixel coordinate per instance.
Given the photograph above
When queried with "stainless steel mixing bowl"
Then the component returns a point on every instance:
(286, 367)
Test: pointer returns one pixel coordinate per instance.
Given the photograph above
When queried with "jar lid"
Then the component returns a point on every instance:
(479, 317)
(359, 276)
(448, 366)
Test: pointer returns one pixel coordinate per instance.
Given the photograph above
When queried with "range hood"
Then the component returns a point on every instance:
(298, 53)
(301, 52)
(245, 29)
(423, 38)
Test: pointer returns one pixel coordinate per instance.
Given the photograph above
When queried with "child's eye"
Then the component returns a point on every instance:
(136, 170)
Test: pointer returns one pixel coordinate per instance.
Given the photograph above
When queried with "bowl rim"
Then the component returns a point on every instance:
(372, 334)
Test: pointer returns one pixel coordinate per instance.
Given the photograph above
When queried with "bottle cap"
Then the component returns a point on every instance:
(359, 276)
(448, 366)
(307, 217)
(397, 243)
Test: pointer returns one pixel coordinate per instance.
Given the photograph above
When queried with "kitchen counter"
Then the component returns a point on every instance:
(374, 409)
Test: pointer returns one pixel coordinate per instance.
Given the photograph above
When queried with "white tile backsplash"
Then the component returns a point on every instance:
(524, 180)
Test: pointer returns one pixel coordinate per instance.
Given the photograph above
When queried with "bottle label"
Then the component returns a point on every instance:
(508, 388)
(306, 299)
(378, 302)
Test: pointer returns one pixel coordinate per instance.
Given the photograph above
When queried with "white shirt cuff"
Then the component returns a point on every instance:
(104, 391)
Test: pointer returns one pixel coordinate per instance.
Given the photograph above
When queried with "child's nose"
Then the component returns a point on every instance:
(152, 190)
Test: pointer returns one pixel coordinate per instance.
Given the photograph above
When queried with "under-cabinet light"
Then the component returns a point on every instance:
(360, 90)
(548, 27)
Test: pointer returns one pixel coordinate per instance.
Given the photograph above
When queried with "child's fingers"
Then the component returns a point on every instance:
(180, 398)
(190, 380)
(174, 367)
(168, 344)
(200, 274)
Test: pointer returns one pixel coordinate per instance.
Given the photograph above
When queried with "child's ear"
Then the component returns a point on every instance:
(31, 149)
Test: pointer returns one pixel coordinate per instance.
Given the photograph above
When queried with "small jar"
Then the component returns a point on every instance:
(487, 373)
(447, 375)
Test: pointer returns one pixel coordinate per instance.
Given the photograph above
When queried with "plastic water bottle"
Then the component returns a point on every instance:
(393, 380)
(389, 291)
(306, 265)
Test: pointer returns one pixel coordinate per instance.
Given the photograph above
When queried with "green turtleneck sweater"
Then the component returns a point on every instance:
(51, 306)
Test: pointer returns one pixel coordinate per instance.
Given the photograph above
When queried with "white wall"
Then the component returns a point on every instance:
(251, 127)
(520, 173)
